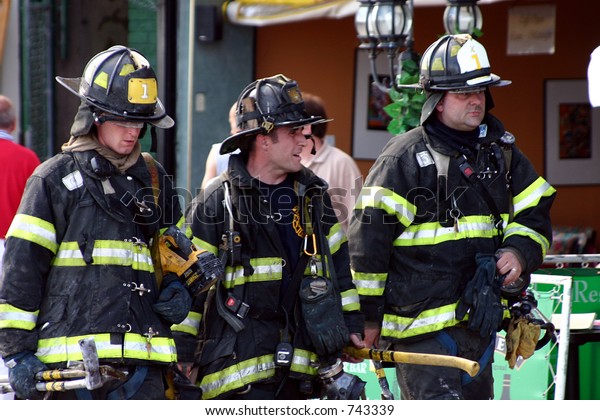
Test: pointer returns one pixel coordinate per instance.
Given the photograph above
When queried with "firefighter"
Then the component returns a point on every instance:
(78, 259)
(276, 326)
(451, 218)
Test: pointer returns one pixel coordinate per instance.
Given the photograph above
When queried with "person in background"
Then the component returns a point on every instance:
(216, 162)
(451, 220)
(78, 261)
(275, 328)
(16, 165)
(332, 164)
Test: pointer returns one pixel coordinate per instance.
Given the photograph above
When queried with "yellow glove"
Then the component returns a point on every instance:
(530, 334)
(521, 338)
(513, 336)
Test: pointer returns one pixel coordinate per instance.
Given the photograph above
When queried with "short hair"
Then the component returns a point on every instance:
(315, 106)
(7, 112)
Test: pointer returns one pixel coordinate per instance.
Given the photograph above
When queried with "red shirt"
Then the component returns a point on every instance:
(16, 165)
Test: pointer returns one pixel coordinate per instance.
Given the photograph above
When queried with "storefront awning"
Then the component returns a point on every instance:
(271, 12)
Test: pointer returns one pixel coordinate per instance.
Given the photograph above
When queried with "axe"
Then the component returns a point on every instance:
(469, 366)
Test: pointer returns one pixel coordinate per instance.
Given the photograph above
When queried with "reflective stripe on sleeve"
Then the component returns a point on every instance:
(388, 201)
(34, 229)
(369, 284)
(190, 325)
(531, 195)
(350, 300)
(13, 317)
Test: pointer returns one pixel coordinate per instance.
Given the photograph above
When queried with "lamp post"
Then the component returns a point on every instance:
(384, 26)
(463, 17)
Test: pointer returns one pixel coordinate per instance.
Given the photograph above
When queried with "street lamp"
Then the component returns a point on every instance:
(384, 26)
(463, 17)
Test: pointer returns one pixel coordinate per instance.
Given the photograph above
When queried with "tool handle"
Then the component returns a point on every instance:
(58, 374)
(61, 385)
(469, 366)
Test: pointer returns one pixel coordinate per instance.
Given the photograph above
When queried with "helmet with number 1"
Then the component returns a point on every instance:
(265, 104)
(455, 63)
(120, 84)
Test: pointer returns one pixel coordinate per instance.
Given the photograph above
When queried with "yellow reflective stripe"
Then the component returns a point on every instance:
(162, 349)
(350, 300)
(369, 284)
(200, 244)
(13, 317)
(427, 321)
(518, 229)
(64, 349)
(336, 238)
(389, 201)
(190, 325)
(237, 376)
(106, 253)
(434, 233)
(265, 269)
(34, 229)
(531, 195)
(304, 361)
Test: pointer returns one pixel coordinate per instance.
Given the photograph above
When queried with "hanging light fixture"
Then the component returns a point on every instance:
(463, 17)
(384, 26)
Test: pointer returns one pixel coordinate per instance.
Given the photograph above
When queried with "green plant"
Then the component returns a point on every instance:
(405, 109)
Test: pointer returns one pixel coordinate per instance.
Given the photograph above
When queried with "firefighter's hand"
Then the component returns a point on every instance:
(22, 368)
(508, 263)
(358, 343)
(174, 302)
(372, 331)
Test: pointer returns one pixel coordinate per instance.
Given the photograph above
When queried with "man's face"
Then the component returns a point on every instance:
(285, 147)
(462, 111)
(120, 137)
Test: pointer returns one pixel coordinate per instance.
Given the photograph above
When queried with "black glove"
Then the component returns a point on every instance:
(22, 368)
(482, 297)
(323, 316)
(174, 302)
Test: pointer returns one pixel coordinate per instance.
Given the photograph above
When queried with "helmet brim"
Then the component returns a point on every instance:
(234, 141)
(160, 119)
(494, 81)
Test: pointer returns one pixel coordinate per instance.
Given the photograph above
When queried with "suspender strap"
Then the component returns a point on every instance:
(291, 294)
(227, 255)
(471, 176)
(154, 251)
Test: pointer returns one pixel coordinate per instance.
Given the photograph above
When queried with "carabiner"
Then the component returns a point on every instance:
(314, 238)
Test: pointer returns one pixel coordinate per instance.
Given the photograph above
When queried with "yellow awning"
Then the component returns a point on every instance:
(271, 12)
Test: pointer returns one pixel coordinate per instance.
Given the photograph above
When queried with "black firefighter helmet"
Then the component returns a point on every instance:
(120, 83)
(264, 104)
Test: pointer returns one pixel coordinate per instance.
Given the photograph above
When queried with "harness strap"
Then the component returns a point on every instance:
(469, 173)
(225, 254)
(154, 251)
(449, 344)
